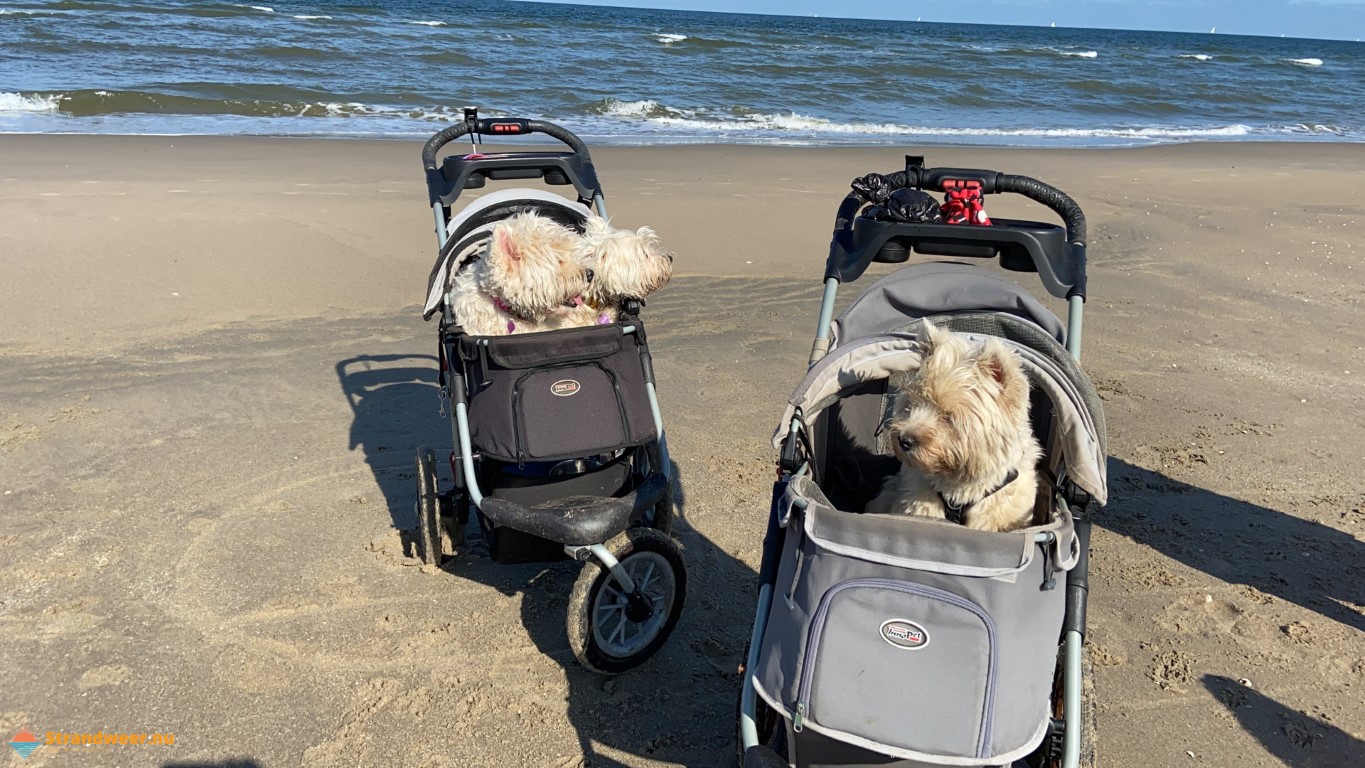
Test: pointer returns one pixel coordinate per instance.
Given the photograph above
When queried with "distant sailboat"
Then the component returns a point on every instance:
(1054, 24)
(1212, 30)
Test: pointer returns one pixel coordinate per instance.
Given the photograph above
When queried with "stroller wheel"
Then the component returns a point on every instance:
(428, 510)
(606, 632)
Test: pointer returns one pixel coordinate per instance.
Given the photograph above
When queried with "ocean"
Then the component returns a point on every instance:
(405, 68)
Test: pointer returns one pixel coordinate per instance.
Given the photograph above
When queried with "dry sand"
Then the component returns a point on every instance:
(213, 374)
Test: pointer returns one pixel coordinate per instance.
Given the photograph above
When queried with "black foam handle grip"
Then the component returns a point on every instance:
(1053, 198)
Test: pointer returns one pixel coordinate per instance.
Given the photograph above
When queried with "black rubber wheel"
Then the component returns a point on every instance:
(454, 508)
(772, 728)
(603, 637)
(428, 509)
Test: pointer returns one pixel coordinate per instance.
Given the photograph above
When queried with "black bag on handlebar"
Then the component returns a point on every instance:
(911, 205)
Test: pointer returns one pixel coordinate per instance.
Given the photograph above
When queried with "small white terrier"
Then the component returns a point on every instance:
(960, 426)
(530, 277)
(625, 265)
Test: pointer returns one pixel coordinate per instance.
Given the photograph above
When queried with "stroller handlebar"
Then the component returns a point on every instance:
(1059, 256)
(994, 182)
(498, 126)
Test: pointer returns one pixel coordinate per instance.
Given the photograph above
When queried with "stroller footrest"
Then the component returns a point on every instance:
(577, 520)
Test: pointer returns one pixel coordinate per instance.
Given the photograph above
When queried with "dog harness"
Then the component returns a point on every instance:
(957, 513)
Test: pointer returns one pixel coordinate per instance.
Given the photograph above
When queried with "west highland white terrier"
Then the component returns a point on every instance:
(960, 427)
(531, 277)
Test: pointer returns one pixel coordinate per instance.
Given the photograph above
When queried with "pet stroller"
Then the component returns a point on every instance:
(559, 447)
(890, 640)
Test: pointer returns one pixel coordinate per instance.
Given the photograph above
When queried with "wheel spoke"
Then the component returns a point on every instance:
(620, 629)
(649, 574)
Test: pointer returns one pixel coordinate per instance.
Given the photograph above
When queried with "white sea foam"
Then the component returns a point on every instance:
(1306, 62)
(669, 39)
(18, 102)
(311, 18)
(1081, 54)
(1195, 56)
(643, 108)
(429, 23)
(795, 123)
(261, 8)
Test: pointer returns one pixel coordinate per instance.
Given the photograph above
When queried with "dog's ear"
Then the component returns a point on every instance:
(504, 243)
(930, 337)
(595, 226)
(1001, 365)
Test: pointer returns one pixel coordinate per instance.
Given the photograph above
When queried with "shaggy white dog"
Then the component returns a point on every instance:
(960, 427)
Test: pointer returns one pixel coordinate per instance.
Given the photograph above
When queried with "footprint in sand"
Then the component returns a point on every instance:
(99, 677)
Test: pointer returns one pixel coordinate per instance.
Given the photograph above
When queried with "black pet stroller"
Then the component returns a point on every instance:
(559, 447)
(888, 640)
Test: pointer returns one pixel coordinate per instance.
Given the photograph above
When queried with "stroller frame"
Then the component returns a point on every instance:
(603, 532)
(1058, 255)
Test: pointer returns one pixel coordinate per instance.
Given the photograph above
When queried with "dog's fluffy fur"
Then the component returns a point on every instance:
(625, 264)
(959, 426)
(529, 276)
(536, 275)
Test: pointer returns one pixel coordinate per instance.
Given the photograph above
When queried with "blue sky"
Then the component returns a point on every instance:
(1336, 19)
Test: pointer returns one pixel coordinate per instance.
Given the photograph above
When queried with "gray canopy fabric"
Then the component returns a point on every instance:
(934, 288)
(1079, 437)
(465, 241)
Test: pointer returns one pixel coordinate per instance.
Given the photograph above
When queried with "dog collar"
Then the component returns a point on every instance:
(957, 513)
(506, 309)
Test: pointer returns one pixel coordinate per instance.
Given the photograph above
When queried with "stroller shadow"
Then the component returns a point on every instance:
(1300, 561)
(1297, 739)
(394, 406)
(681, 702)
(244, 762)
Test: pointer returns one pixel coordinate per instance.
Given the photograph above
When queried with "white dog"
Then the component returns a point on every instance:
(960, 427)
(531, 276)
(625, 265)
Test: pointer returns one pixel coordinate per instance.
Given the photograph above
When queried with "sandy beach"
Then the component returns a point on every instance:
(213, 373)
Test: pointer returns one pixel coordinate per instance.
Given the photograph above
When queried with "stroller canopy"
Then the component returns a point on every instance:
(467, 232)
(892, 347)
(939, 288)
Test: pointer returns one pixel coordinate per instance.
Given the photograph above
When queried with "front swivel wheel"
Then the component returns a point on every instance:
(611, 631)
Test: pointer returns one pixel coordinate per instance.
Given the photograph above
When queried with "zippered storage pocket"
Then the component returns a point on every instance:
(903, 658)
(568, 410)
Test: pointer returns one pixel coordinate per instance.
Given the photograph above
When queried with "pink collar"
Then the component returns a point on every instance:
(506, 309)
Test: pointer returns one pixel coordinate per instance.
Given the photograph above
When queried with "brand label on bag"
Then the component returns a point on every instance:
(904, 634)
(564, 388)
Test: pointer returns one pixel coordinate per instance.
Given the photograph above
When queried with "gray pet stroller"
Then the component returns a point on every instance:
(558, 445)
(887, 640)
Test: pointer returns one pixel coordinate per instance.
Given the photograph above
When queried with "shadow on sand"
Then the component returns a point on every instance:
(1300, 561)
(1297, 739)
(691, 685)
(243, 762)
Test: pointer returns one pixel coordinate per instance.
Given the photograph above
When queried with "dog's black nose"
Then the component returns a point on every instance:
(590, 274)
(907, 443)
